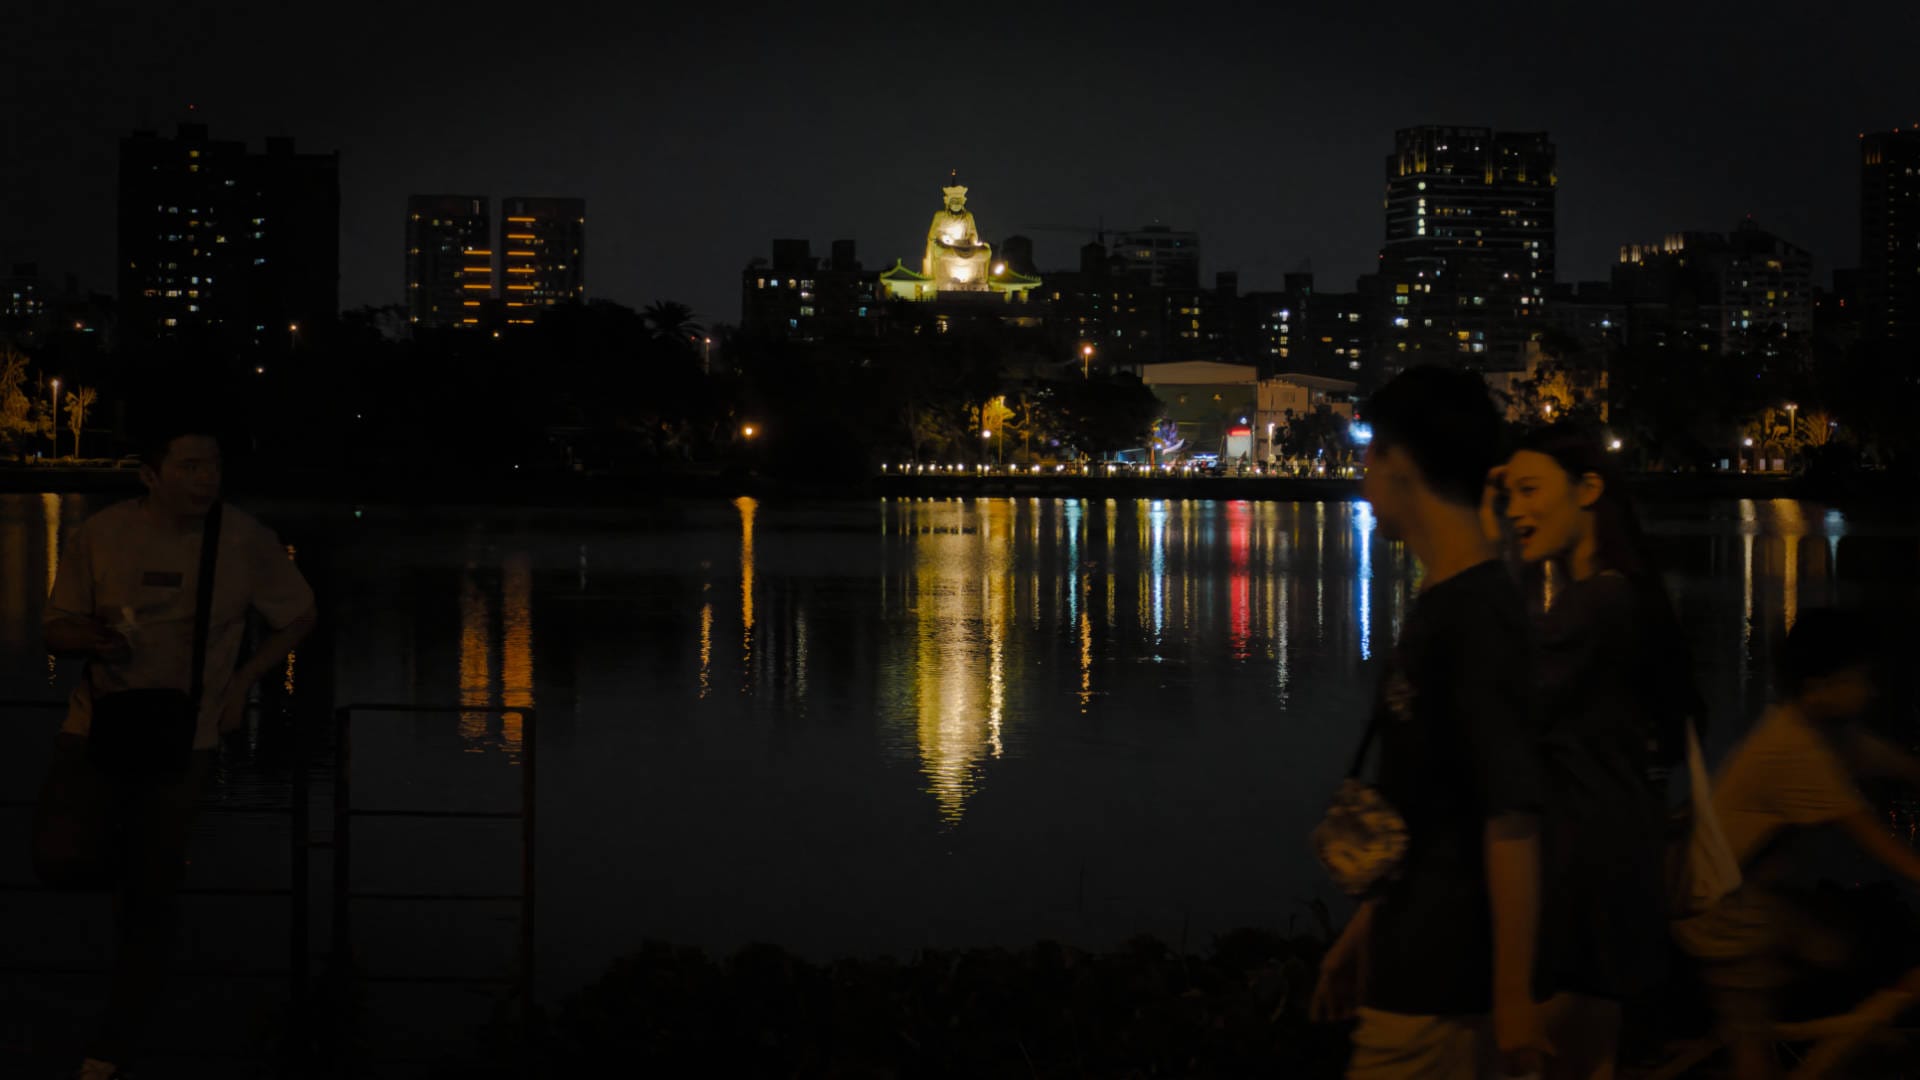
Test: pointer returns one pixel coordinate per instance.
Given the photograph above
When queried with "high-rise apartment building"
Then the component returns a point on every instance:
(797, 297)
(1159, 256)
(1890, 234)
(542, 255)
(1468, 262)
(1748, 292)
(450, 277)
(219, 242)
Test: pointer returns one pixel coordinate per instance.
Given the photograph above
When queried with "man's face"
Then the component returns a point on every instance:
(1388, 488)
(188, 479)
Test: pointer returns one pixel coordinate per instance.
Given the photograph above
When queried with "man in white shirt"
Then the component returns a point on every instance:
(1794, 770)
(124, 599)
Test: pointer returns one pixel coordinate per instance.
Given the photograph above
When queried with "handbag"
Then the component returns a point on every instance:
(149, 732)
(1362, 839)
(1701, 865)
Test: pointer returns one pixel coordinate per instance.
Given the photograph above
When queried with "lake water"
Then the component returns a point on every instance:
(866, 727)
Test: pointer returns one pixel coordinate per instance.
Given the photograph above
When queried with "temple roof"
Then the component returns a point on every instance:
(899, 272)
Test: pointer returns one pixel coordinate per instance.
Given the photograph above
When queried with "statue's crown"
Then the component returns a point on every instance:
(956, 192)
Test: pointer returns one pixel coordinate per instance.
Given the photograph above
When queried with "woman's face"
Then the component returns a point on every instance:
(1548, 509)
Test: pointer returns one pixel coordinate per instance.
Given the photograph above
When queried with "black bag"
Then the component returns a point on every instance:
(151, 732)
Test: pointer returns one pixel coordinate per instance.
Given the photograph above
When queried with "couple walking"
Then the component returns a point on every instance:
(1524, 751)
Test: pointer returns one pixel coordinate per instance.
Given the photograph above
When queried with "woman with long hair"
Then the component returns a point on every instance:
(1614, 690)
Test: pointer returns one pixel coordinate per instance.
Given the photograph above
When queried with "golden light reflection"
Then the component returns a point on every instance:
(1746, 604)
(50, 510)
(516, 646)
(476, 661)
(960, 672)
(1086, 661)
(1033, 561)
(1793, 525)
(748, 507)
(998, 601)
(1319, 571)
(706, 649)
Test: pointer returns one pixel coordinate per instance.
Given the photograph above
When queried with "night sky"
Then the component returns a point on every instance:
(698, 132)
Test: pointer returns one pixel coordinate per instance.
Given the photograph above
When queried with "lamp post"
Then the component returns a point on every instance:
(1086, 360)
(53, 408)
(1793, 432)
(986, 435)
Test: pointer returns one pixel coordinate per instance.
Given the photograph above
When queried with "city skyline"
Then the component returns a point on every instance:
(1272, 157)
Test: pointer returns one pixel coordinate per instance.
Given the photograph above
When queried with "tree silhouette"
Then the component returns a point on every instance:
(79, 403)
(16, 410)
(672, 321)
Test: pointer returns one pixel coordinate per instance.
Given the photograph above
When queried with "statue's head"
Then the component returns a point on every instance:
(956, 198)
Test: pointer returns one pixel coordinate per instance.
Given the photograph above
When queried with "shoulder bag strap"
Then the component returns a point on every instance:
(203, 603)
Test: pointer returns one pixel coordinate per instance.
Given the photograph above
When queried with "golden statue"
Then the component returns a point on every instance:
(957, 259)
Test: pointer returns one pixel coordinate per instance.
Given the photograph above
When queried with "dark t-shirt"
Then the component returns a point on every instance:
(1457, 747)
(1613, 689)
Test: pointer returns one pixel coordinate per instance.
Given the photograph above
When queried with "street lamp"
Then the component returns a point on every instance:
(747, 431)
(1086, 360)
(53, 407)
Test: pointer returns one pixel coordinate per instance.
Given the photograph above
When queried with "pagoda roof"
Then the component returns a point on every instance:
(899, 272)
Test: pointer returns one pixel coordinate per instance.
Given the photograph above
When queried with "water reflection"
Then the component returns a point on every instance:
(1363, 576)
(50, 510)
(963, 606)
(516, 647)
(706, 649)
(1240, 579)
(1201, 577)
(748, 507)
(476, 661)
(496, 681)
(911, 654)
(1791, 525)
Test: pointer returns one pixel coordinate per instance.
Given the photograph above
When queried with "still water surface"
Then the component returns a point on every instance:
(867, 727)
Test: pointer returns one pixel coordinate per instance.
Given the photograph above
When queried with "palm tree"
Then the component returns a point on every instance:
(79, 402)
(672, 321)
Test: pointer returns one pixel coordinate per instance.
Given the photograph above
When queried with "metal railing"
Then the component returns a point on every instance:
(297, 891)
(301, 845)
(344, 814)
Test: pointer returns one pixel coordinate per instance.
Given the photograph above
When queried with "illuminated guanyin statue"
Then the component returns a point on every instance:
(957, 260)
